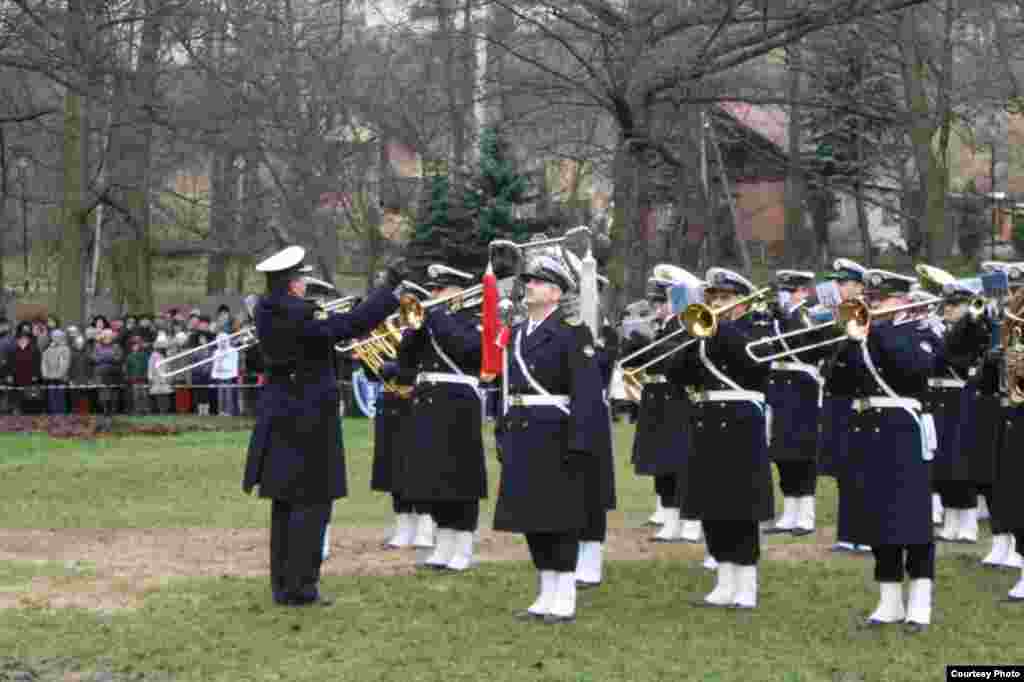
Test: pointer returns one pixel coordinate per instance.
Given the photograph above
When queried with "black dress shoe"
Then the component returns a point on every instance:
(912, 628)
(318, 600)
(1011, 600)
(775, 530)
(552, 619)
(584, 585)
(800, 532)
(432, 567)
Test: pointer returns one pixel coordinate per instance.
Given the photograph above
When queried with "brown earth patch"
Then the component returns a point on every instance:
(126, 564)
(91, 426)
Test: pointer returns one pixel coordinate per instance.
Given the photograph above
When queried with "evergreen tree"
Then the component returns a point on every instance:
(458, 235)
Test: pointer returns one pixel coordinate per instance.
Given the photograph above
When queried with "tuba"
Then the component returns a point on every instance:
(1012, 338)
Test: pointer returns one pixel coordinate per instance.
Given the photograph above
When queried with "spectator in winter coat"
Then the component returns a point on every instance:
(203, 396)
(182, 393)
(136, 373)
(107, 358)
(160, 389)
(55, 367)
(225, 375)
(80, 373)
(24, 372)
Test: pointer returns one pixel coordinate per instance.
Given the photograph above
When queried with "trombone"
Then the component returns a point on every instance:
(410, 315)
(698, 320)
(244, 338)
(856, 310)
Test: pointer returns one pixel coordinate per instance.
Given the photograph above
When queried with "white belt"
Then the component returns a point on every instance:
(732, 395)
(535, 400)
(946, 383)
(755, 397)
(810, 370)
(883, 402)
(925, 422)
(447, 378)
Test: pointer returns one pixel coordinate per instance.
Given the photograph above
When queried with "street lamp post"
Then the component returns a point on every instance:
(22, 167)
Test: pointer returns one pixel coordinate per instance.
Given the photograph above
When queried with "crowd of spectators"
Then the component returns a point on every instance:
(110, 366)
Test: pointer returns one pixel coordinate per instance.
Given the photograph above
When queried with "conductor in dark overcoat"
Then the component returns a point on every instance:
(296, 456)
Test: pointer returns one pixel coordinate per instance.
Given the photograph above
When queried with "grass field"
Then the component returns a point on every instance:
(638, 626)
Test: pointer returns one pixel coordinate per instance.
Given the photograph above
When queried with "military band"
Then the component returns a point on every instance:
(881, 392)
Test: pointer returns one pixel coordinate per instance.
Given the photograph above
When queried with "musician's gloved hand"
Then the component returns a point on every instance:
(388, 370)
(396, 273)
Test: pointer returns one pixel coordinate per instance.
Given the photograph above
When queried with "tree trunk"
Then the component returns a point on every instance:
(796, 237)
(4, 217)
(924, 124)
(70, 292)
(623, 277)
(132, 153)
(452, 84)
(220, 215)
(862, 216)
(469, 80)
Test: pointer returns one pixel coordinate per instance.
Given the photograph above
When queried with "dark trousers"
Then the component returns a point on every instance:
(890, 561)
(296, 548)
(957, 494)
(994, 523)
(596, 529)
(554, 551)
(462, 515)
(733, 542)
(665, 488)
(797, 479)
(400, 505)
(843, 517)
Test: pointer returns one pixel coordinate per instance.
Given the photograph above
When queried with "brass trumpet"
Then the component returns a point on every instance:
(698, 320)
(855, 310)
(412, 313)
